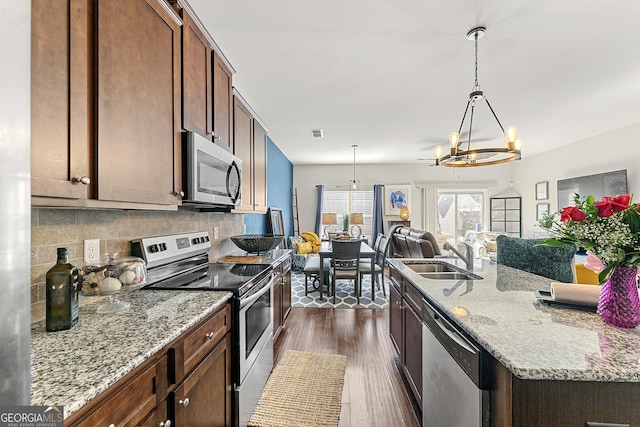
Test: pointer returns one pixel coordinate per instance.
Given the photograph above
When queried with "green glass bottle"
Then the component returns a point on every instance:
(62, 294)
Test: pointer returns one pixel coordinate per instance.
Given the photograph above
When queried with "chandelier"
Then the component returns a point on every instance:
(470, 156)
(354, 184)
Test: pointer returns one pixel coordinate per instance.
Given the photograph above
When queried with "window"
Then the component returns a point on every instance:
(344, 203)
(459, 213)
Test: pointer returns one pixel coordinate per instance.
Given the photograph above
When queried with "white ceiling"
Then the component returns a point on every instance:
(394, 76)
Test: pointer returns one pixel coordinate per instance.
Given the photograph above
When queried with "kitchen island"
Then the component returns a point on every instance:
(72, 367)
(550, 366)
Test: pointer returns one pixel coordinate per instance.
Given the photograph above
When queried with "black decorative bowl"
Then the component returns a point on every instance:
(256, 243)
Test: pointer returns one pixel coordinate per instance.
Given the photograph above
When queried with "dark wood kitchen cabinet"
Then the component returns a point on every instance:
(138, 101)
(60, 98)
(259, 166)
(517, 402)
(250, 145)
(106, 104)
(204, 397)
(131, 401)
(405, 326)
(203, 374)
(281, 294)
(188, 382)
(197, 81)
(222, 102)
(242, 137)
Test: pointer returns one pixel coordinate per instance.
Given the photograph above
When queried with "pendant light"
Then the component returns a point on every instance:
(354, 184)
(470, 156)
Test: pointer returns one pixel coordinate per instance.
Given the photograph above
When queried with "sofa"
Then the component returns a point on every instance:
(407, 242)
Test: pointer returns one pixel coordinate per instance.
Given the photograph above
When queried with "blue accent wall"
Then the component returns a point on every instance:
(279, 184)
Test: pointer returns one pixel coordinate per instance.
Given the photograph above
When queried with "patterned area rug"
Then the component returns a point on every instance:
(345, 297)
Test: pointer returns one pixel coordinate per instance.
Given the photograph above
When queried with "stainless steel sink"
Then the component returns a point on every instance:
(431, 267)
(450, 275)
(440, 270)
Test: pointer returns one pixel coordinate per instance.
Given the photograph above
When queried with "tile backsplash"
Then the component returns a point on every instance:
(53, 228)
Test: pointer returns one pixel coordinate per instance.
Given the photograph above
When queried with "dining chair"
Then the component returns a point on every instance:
(345, 264)
(381, 247)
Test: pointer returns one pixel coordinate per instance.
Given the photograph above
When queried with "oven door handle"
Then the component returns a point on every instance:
(251, 299)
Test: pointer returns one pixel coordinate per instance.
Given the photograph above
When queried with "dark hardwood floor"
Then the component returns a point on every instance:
(373, 393)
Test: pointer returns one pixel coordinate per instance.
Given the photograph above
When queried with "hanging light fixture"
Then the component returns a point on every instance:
(471, 156)
(354, 184)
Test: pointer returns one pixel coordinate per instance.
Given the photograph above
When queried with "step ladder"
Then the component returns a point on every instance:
(294, 212)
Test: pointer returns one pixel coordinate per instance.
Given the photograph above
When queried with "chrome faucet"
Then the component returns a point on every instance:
(467, 258)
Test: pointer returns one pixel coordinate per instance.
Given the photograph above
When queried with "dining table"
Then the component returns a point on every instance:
(326, 251)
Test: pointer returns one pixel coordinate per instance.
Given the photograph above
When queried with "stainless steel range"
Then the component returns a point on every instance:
(180, 261)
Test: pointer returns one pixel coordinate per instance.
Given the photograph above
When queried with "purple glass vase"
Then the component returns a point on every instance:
(619, 304)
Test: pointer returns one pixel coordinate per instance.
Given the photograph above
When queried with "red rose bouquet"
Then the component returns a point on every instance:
(609, 228)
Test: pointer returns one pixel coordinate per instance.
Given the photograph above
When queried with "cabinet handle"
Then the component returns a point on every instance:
(83, 180)
(179, 193)
(165, 424)
(112, 425)
(210, 335)
(184, 403)
(216, 138)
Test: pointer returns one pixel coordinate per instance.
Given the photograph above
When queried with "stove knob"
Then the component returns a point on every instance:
(153, 249)
(206, 238)
(163, 246)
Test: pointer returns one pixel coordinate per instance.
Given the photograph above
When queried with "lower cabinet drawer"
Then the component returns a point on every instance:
(129, 406)
(413, 297)
(190, 351)
(156, 418)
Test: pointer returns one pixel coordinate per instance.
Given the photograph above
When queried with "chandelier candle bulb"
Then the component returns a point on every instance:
(454, 139)
(511, 133)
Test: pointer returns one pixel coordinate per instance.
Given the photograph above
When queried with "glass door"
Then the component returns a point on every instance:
(460, 215)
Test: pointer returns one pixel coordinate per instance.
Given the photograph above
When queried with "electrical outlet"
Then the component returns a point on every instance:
(91, 251)
(215, 233)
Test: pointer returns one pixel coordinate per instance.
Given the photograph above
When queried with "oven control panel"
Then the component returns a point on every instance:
(161, 250)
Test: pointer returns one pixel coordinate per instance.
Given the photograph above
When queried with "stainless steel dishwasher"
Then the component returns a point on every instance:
(456, 377)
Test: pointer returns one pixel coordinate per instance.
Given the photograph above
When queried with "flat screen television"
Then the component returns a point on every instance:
(598, 185)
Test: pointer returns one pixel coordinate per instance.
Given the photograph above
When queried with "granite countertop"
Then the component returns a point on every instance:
(72, 367)
(533, 340)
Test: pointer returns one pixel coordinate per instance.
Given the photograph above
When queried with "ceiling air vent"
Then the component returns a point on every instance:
(317, 133)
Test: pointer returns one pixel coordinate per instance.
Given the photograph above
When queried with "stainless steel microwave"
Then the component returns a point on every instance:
(212, 175)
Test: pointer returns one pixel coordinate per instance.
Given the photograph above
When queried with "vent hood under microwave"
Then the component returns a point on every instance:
(212, 176)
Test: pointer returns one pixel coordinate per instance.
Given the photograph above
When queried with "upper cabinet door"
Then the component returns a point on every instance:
(259, 167)
(196, 79)
(222, 103)
(60, 134)
(243, 137)
(138, 101)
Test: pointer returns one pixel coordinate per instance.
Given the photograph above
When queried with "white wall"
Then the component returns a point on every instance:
(614, 150)
(306, 177)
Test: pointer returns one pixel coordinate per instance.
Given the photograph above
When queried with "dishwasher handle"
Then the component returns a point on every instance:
(471, 357)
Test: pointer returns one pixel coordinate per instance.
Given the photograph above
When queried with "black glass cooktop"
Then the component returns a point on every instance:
(237, 278)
